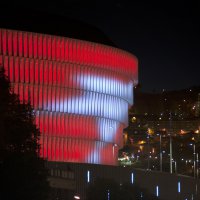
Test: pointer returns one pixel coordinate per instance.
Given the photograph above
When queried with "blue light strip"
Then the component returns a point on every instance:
(132, 178)
(179, 187)
(157, 191)
(88, 176)
(108, 195)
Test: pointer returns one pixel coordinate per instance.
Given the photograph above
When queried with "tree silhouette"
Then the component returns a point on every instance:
(22, 172)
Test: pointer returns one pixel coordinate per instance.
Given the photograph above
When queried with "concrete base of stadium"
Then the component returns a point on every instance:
(71, 180)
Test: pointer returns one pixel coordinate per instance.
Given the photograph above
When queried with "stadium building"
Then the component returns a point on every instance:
(80, 91)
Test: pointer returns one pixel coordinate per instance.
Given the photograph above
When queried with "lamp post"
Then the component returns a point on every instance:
(175, 166)
(160, 153)
(194, 155)
(170, 143)
(194, 159)
(160, 136)
(170, 150)
(148, 165)
(197, 165)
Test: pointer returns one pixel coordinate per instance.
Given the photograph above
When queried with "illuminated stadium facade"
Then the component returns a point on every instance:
(80, 92)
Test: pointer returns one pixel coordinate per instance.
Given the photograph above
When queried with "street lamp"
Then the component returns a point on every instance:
(160, 152)
(170, 143)
(197, 165)
(170, 149)
(148, 152)
(194, 154)
(194, 159)
(175, 167)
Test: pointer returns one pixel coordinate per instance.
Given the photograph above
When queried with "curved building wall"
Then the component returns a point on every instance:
(80, 92)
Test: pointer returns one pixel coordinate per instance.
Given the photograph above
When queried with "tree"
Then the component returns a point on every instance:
(22, 172)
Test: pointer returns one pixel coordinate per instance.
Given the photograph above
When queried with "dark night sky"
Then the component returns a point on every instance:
(164, 36)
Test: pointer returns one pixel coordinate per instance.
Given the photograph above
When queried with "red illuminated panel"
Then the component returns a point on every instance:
(5, 64)
(20, 44)
(40, 46)
(10, 43)
(27, 71)
(25, 44)
(21, 69)
(44, 47)
(4, 42)
(58, 49)
(53, 49)
(62, 49)
(1, 43)
(30, 45)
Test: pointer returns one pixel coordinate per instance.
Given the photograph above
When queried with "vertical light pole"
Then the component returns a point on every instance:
(170, 150)
(197, 165)
(175, 166)
(160, 153)
(194, 154)
(148, 152)
(197, 175)
(170, 144)
(194, 159)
